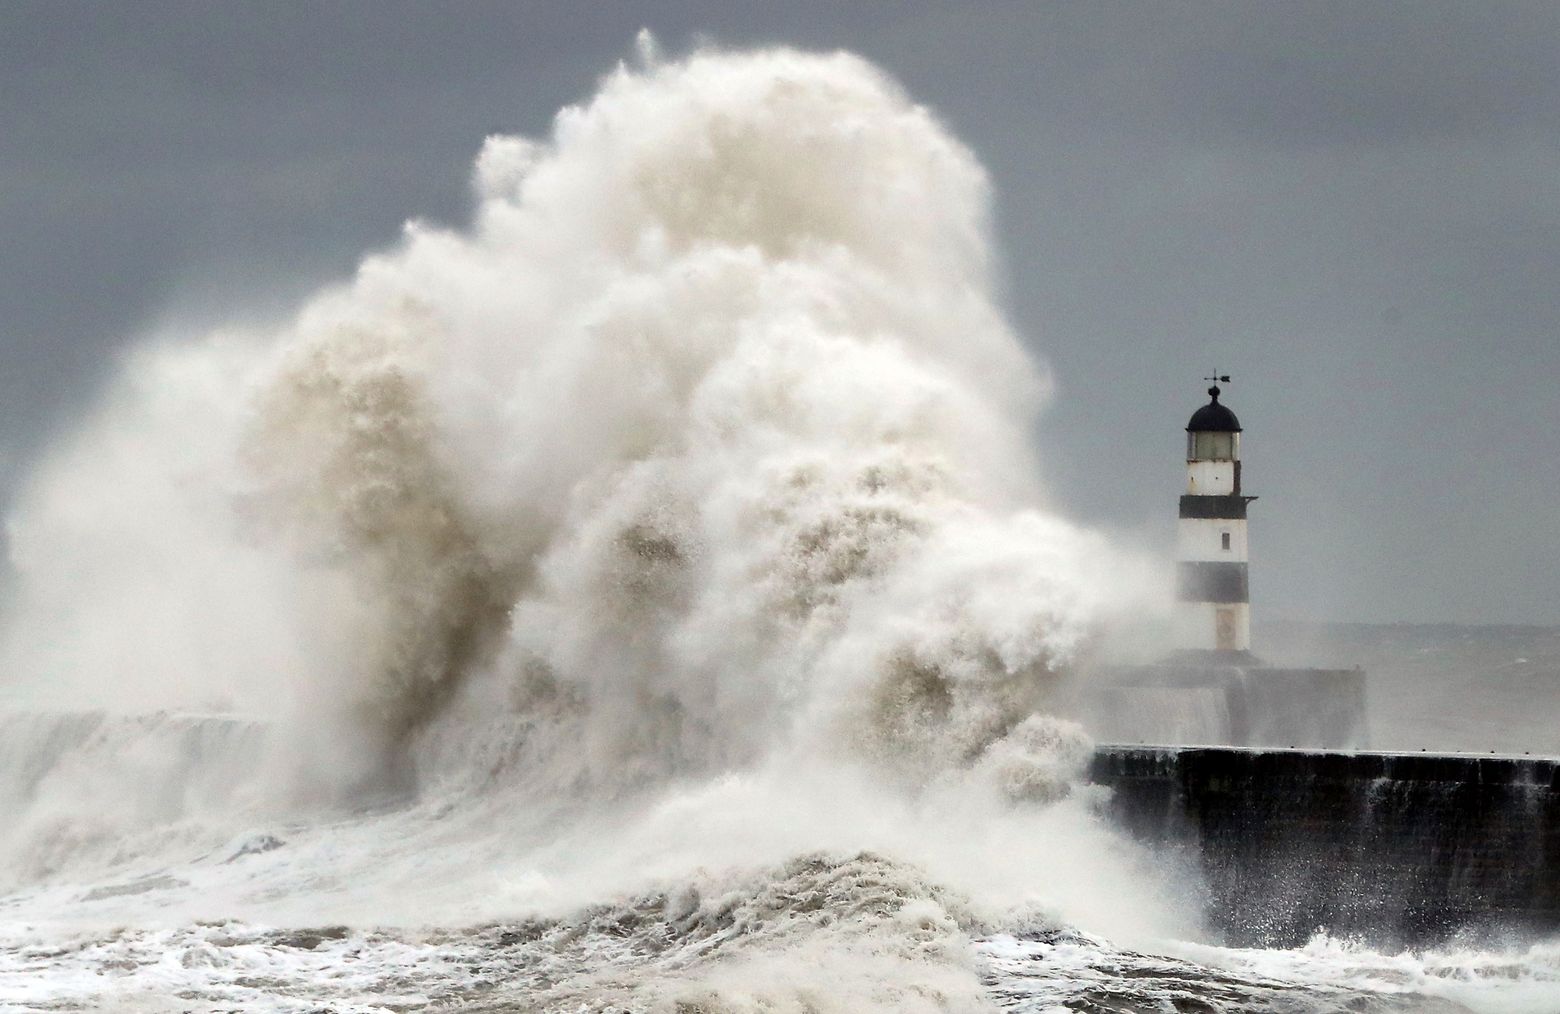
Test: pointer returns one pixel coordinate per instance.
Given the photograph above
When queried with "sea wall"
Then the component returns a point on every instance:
(1398, 849)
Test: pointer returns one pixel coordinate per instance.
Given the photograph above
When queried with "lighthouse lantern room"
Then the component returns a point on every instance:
(1214, 609)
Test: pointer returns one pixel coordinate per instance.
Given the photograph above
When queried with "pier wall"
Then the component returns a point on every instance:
(1398, 849)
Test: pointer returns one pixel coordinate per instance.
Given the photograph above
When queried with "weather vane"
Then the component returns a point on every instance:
(1219, 378)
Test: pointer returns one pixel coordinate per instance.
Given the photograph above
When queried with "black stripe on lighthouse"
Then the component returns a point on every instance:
(1213, 581)
(1224, 508)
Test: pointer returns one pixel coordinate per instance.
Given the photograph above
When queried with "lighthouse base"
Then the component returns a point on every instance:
(1217, 698)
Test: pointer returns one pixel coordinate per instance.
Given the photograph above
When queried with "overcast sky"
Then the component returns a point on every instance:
(1352, 208)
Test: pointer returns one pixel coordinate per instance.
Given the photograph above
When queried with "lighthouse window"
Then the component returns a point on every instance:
(1224, 540)
(1218, 446)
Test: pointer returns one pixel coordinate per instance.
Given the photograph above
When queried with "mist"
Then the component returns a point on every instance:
(684, 499)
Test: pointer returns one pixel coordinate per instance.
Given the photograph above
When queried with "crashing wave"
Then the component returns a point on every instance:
(674, 518)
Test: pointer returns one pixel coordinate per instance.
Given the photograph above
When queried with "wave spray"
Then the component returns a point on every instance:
(676, 517)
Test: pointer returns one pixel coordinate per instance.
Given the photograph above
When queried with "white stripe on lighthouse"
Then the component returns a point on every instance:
(1210, 478)
(1203, 539)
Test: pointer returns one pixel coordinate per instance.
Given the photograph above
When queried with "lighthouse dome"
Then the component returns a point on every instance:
(1213, 417)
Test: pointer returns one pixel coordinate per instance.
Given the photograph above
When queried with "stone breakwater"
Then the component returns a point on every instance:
(1397, 849)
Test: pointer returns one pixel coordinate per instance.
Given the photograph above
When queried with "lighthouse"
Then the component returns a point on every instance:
(1214, 608)
(1212, 690)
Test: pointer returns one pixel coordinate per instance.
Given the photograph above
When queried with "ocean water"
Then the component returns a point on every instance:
(695, 897)
(636, 599)
(1441, 687)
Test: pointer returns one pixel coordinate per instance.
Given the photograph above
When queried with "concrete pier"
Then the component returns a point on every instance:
(1398, 849)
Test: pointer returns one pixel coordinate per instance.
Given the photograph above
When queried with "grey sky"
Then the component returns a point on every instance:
(1354, 209)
